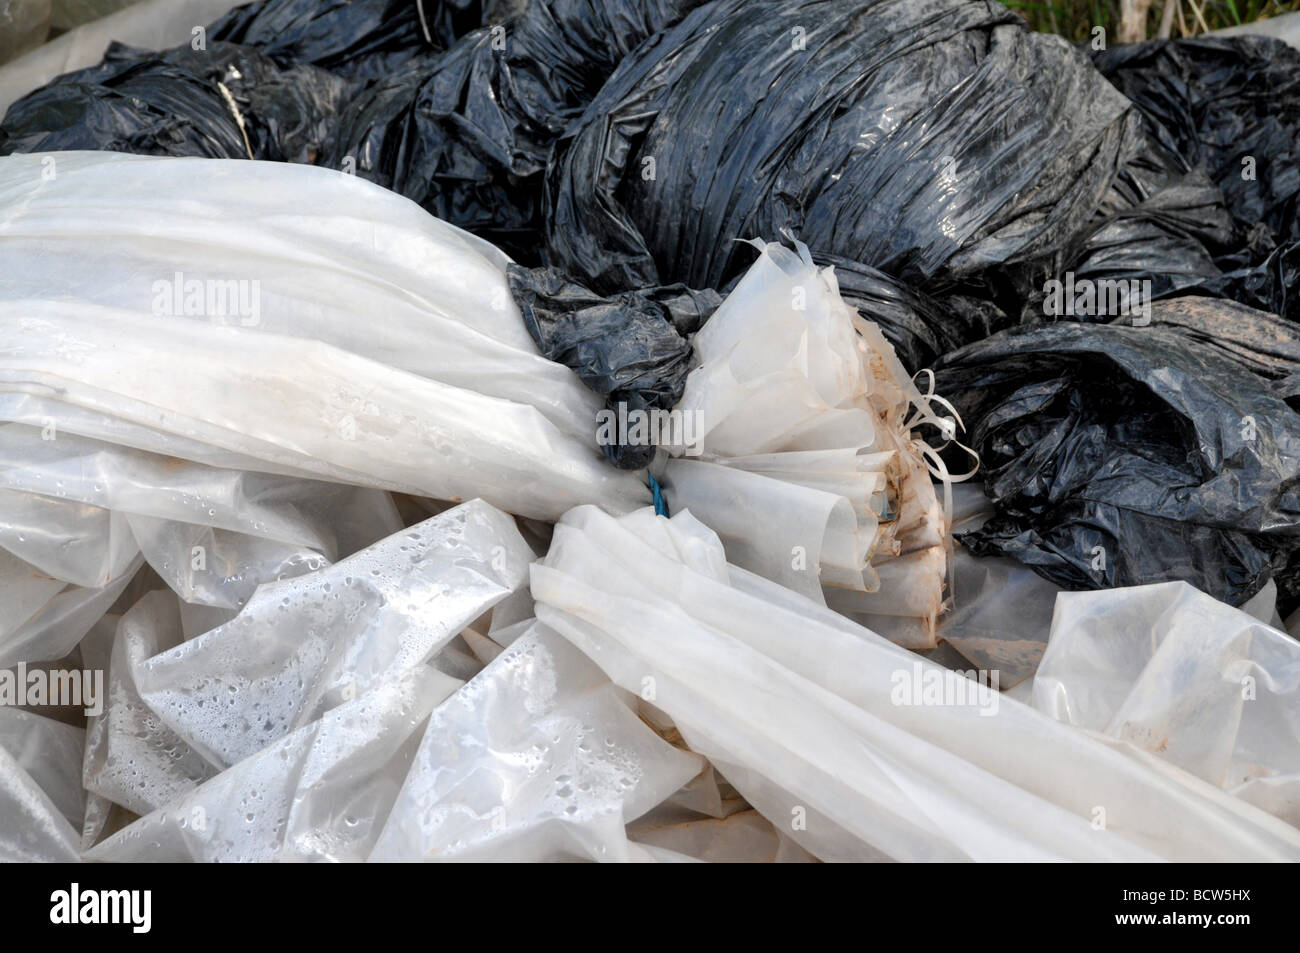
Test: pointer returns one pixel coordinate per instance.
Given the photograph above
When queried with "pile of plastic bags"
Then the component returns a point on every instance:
(540, 430)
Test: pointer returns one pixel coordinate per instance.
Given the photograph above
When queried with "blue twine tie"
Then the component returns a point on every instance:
(661, 505)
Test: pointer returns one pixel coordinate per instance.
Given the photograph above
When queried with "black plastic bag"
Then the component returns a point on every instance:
(355, 38)
(224, 102)
(1209, 205)
(630, 348)
(929, 139)
(1122, 455)
(288, 67)
(1263, 278)
(469, 138)
(1228, 104)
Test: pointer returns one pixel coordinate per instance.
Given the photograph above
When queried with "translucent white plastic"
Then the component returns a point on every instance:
(799, 708)
(538, 758)
(333, 519)
(50, 752)
(80, 510)
(376, 345)
(61, 620)
(1197, 683)
(318, 794)
(1001, 614)
(305, 645)
(809, 471)
(132, 758)
(41, 800)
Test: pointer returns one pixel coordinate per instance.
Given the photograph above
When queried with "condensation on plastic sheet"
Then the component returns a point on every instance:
(41, 799)
(305, 645)
(539, 757)
(318, 793)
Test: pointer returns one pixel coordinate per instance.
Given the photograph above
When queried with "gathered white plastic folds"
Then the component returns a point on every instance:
(306, 554)
(807, 464)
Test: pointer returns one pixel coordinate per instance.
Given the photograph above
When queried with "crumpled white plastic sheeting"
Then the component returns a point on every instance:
(539, 757)
(131, 757)
(1185, 677)
(315, 794)
(371, 343)
(304, 645)
(41, 798)
(322, 717)
(77, 515)
(332, 519)
(287, 732)
(809, 471)
(802, 711)
(48, 617)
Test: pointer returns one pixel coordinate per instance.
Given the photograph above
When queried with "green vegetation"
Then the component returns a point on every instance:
(1075, 19)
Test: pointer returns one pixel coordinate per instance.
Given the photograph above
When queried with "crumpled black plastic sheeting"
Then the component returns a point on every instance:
(920, 328)
(1168, 233)
(630, 348)
(1120, 455)
(347, 37)
(289, 66)
(352, 38)
(1217, 101)
(172, 103)
(1263, 278)
(929, 139)
(388, 89)
(469, 139)
(1215, 225)
(1179, 239)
